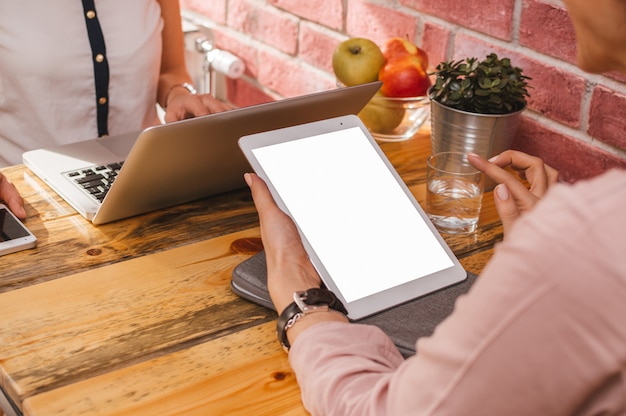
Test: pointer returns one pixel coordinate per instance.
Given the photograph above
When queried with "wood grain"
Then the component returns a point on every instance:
(67, 242)
(113, 345)
(245, 373)
(137, 316)
(89, 323)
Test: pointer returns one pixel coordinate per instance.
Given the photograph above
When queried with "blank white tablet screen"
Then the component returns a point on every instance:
(353, 212)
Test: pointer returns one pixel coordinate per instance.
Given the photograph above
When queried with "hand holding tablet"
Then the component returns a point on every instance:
(365, 233)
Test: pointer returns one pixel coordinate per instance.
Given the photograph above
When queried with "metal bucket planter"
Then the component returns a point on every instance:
(459, 131)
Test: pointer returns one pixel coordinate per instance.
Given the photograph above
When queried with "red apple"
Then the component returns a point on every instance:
(399, 47)
(405, 71)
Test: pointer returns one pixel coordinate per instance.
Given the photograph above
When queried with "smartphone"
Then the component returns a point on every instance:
(14, 236)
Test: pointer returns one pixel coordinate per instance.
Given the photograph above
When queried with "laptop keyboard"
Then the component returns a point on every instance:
(96, 180)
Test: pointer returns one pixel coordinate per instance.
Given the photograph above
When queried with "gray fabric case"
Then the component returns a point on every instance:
(404, 324)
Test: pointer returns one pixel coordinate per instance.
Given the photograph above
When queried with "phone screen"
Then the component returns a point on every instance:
(10, 228)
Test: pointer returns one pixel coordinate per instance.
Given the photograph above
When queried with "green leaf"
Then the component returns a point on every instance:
(484, 83)
(489, 86)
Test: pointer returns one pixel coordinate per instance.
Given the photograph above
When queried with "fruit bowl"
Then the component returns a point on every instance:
(395, 119)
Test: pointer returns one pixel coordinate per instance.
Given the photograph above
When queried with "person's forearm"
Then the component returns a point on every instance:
(295, 277)
(173, 68)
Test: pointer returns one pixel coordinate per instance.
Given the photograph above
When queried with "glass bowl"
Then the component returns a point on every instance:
(394, 119)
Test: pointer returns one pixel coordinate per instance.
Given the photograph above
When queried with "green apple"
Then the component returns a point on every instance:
(357, 61)
(381, 118)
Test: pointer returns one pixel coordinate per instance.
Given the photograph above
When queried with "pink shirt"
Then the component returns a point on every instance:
(542, 331)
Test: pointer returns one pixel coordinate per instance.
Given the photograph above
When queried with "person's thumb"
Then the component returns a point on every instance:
(16, 205)
(505, 206)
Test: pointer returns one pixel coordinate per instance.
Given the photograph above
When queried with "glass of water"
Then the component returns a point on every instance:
(454, 193)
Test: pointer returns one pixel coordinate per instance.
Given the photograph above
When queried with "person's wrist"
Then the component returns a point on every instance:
(313, 304)
(284, 279)
(312, 319)
(176, 88)
(283, 297)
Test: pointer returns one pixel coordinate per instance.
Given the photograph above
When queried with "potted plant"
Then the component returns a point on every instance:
(475, 105)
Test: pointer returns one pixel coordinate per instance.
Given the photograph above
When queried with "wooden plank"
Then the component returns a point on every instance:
(68, 243)
(141, 330)
(76, 327)
(245, 373)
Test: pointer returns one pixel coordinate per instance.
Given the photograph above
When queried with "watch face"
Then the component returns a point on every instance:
(318, 299)
(308, 301)
(312, 300)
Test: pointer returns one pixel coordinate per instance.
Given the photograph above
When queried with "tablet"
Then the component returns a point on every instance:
(365, 233)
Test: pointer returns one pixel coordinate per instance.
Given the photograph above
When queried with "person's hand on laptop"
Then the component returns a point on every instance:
(511, 196)
(12, 198)
(181, 104)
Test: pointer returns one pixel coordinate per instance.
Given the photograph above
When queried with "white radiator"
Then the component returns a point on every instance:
(208, 66)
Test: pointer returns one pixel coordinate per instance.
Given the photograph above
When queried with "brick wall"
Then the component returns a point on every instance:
(575, 121)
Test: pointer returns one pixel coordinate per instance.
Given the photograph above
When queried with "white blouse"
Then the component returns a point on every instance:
(47, 87)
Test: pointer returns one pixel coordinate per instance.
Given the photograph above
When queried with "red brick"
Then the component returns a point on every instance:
(466, 46)
(379, 23)
(325, 12)
(317, 47)
(214, 9)
(548, 29)
(435, 41)
(268, 25)
(243, 94)
(493, 17)
(290, 78)
(248, 53)
(573, 158)
(607, 121)
(555, 93)
(618, 76)
(287, 45)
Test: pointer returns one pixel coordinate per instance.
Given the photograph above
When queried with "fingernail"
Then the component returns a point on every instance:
(248, 178)
(502, 192)
(472, 154)
(493, 159)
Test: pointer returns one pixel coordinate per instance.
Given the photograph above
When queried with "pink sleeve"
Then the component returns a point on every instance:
(325, 356)
(541, 332)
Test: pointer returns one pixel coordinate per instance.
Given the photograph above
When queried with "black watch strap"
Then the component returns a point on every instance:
(308, 301)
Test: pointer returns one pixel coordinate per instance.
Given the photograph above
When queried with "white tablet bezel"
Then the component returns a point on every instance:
(253, 146)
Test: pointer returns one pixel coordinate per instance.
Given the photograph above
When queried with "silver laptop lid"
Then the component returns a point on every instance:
(186, 160)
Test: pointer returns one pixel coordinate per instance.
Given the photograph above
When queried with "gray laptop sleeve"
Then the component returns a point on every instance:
(404, 324)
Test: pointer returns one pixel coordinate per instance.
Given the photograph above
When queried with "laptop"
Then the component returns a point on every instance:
(116, 177)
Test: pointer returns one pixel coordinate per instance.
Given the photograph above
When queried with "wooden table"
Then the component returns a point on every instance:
(137, 317)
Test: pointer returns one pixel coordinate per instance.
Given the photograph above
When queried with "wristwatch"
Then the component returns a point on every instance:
(188, 87)
(184, 85)
(304, 303)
